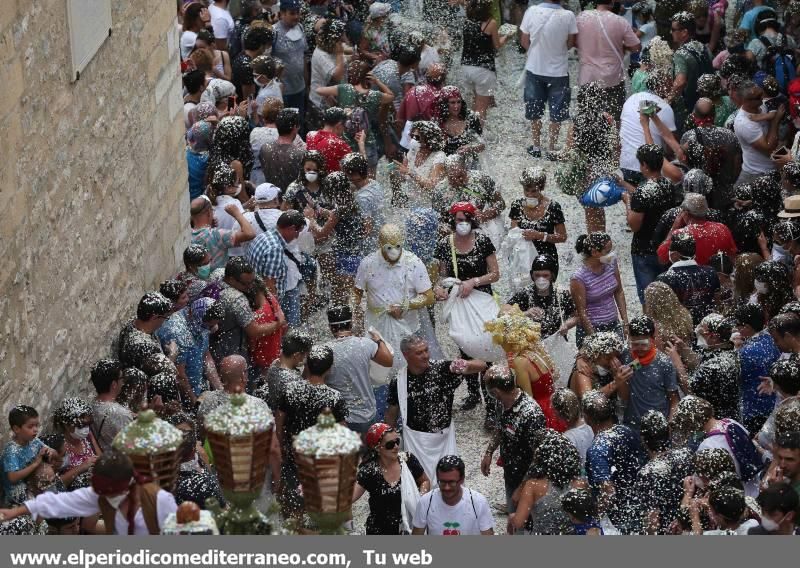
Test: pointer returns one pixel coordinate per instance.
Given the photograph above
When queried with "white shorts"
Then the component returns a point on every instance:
(480, 80)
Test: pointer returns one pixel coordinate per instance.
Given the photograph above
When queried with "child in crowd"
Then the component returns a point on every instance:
(23, 454)
(580, 506)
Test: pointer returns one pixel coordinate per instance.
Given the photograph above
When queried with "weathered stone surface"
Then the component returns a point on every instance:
(93, 187)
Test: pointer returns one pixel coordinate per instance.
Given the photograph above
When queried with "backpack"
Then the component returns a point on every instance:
(793, 92)
(744, 451)
(357, 119)
(779, 62)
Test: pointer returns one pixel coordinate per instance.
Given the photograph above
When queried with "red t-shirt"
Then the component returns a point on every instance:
(709, 237)
(418, 102)
(329, 145)
(265, 349)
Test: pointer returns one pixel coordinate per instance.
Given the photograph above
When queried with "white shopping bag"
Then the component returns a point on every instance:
(519, 255)
(495, 229)
(465, 317)
(393, 331)
(563, 353)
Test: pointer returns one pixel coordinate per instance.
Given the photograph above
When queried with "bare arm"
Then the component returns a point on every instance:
(246, 231)
(619, 296)
(331, 91)
(578, 291)
(211, 371)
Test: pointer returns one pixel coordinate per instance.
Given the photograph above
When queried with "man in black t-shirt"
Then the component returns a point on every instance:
(543, 301)
(521, 419)
(645, 206)
(299, 406)
(255, 42)
(137, 340)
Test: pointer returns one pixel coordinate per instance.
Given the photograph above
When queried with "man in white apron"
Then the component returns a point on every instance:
(422, 395)
(397, 286)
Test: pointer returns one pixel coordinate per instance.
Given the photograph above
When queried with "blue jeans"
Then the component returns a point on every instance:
(381, 393)
(552, 91)
(646, 269)
(290, 304)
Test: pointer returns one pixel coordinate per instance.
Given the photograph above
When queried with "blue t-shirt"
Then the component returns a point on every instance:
(15, 458)
(756, 357)
(748, 21)
(192, 347)
(650, 387)
(197, 163)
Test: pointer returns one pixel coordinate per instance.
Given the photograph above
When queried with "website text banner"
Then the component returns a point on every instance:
(378, 552)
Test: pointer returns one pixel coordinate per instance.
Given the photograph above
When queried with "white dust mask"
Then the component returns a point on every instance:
(602, 371)
(463, 228)
(413, 145)
(81, 433)
(116, 500)
(392, 252)
(608, 258)
(542, 283)
(761, 287)
(531, 201)
(312, 176)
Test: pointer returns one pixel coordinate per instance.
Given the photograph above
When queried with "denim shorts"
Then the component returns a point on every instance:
(554, 91)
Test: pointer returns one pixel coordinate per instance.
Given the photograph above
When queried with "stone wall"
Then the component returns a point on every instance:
(92, 186)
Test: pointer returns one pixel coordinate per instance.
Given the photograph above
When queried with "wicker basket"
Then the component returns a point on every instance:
(241, 461)
(161, 467)
(327, 482)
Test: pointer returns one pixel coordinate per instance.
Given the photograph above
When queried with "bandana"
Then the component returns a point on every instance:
(648, 357)
(463, 207)
(375, 434)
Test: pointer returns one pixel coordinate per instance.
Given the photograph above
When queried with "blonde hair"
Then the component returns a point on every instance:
(664, 307)
(270, 109)
(518, 335)
(744, 281)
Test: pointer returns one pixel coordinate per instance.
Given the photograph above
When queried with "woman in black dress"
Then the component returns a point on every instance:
(540, 218)
(462, 128)
(380, 475)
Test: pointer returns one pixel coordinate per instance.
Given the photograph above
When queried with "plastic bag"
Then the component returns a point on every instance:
(466, 317)
(604, 192)
(495, 229)
(563, 353)
(393, 331)
(519, 255)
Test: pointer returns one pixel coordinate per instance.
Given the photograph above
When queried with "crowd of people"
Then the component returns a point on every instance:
(334, 171)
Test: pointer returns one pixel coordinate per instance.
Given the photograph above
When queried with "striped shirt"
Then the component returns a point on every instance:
(266, 254)
(216, 241)
(601, 307)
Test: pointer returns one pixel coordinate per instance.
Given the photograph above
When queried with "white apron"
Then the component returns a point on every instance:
(428, 447)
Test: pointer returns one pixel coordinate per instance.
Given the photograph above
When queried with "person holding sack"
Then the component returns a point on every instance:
(394, 480)
(127, 503)
(469, 257)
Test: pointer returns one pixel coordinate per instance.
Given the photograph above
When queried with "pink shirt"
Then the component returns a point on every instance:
(599, 61)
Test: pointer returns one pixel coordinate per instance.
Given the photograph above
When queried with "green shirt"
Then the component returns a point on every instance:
(349, 98)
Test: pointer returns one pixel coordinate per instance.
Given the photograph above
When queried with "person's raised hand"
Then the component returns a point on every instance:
(231, 209)
(765, 387)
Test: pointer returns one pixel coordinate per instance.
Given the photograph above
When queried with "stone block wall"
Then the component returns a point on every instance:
(93, 190)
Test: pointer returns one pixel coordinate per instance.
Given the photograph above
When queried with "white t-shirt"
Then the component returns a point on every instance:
(721, 441)
(221, 22)
(649, 32)
(187, 110)
(581, 437)
(387, 284)
(549, 27)
(187, 43)
(748, 132)
(469, 517)
(226, 221)
(322, 66)
(631, 133)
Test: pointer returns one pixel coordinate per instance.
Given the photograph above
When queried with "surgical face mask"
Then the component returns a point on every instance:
(116, 500)
(531, 201)
(770, 525)
(81, 433)
(761, 287)
(392, 253)
(701, 341)
(204, 271)
(779, 251)
(602, 371)
(238, 191)
(312, 176)
(542, 283)
(463, 228)
(608, 258)
(413, 145)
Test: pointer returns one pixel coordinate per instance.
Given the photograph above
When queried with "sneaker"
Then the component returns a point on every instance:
(553, 156)
(470, 402)
(534, 152)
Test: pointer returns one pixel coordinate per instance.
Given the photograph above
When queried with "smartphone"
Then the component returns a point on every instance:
(635, 365)
(231, 103)
(782, 151)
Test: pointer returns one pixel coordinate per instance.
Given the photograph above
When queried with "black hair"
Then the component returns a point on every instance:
(405, 55)
(54, 440)
(336, 186)
(586, 244)
(749, 314)
(778, 497)
(683, 243)
(728, 502)
(105, 372)
(722, 326)
(786, 230)
(451, 218)
(134, 384)
(194, 254)
(651, 155)
(713, 462)
(686, 21)
(20, 414)
(333, 116)
(721, 262)
(785, 373)
(505, 380)
(215, 311)
(296, 342)
(257, 37)
(554, 458)
(286, 120)
(207, 36)
(792, 307)
(151, 305)
(654, 429)
(165, 385)
(792, 172)
(194, 81)
(544, 262)
(236, 266)
(291, 218)
(579, 503)
(340, 318)
(114, 464)
(785, 322)
(319, 360)
(766, 19)
(787, 440)
(172, 289)
(450, 463)
(597, 408)
(642, 325)
(355, 163)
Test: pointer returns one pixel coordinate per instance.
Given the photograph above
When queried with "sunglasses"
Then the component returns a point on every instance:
(392, 444)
